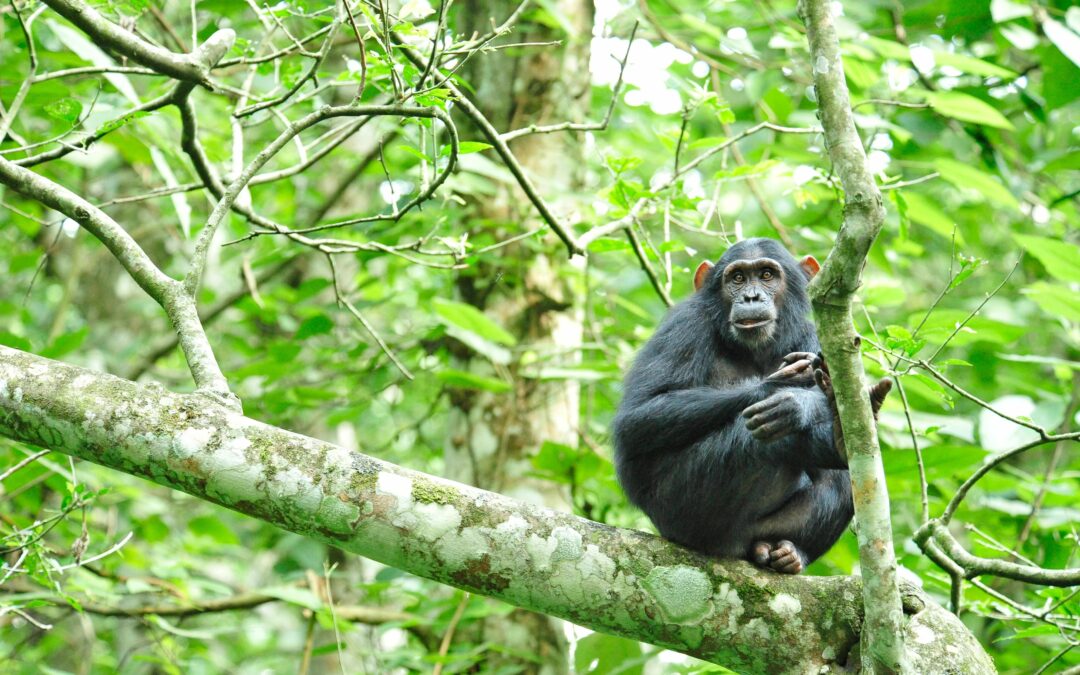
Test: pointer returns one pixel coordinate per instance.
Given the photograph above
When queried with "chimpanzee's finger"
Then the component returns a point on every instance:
(822, 380)
(790, 371)
(771, 431)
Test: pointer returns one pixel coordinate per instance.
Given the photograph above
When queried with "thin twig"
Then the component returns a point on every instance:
(24, 462)
(635, 242)
(344, 302)
(908, 183)
(448, 637)
(571, 126)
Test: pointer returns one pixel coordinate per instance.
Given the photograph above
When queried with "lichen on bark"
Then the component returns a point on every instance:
(612, 580)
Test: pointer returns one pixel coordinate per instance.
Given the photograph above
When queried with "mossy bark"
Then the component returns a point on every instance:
(612, 580)
(832, 292)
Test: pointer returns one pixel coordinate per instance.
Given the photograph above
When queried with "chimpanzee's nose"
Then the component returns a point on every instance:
(751, 295)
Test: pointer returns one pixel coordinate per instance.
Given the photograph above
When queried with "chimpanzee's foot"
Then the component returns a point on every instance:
(782, 557)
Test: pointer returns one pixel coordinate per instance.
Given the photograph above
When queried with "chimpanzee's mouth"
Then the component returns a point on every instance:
(751, 323)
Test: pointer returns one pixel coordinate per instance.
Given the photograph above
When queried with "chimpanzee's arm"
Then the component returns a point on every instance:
(797, 423)
(674, 419)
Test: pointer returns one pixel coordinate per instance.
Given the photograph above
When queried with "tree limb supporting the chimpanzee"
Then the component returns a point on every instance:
(831, 293)
(612, 580)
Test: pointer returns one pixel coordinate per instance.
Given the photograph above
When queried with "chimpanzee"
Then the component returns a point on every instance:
(722, 437)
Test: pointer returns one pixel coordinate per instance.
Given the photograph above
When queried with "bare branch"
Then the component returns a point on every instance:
(831, 293)
(311, 73)
(504, 152)
(165, 290)
(193, 68)
(974, 566)
(643, 260)
(570, 126)
(230, 194)
(615, 580)
(344, 301)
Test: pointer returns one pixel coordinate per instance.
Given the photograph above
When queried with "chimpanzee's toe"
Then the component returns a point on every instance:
(785, 558)
(759, 553)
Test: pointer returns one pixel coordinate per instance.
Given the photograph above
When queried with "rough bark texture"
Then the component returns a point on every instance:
(617, 581)
(831, 293)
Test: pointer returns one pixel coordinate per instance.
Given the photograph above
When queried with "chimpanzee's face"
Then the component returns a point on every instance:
(753, 291)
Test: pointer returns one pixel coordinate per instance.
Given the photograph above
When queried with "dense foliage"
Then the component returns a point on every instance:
(968, 110)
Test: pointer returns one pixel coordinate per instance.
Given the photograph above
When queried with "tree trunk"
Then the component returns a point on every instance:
(493, 436)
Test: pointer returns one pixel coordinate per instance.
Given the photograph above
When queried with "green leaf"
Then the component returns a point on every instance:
(889, 49)
(942, 322)
(970, 64)
(745, 170)
(600, 653)
(966, 108)
(554, 459)
(705, 142)
(883, 293)
(66, 109)
(465, 148)
(1061, 259)
(966, 176)
(472, 320)
(486, 348)
(622, 164)
(408, 149)
(152, 529)
(459, 379)
(113, 125)
(898, 332)
(924, 212)
(316, 325)
(65, 344)
(214, 528)
(1063, 38)
(1034, 631)
(294, 596)
(14, 341)
(962, 276)
(1055, 299)
(633, 308)
(604, 244)
(939, 461)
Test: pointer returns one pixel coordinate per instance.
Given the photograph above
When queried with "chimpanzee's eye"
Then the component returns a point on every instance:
(738, 278)
(766, 275)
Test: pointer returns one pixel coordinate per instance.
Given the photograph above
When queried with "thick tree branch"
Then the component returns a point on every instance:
(194, 67)
(831, 292)
(617, 581)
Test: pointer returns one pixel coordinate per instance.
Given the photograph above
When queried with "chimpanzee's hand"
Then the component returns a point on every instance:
(797, 369)
(877, 392)
(778, 415)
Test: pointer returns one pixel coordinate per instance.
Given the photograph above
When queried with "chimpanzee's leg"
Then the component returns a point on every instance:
(792, 537)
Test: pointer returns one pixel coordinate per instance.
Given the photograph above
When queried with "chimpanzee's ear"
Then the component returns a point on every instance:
(809, 266)
(702, 272)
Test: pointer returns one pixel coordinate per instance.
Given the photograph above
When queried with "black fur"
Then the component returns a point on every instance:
(683, 452)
